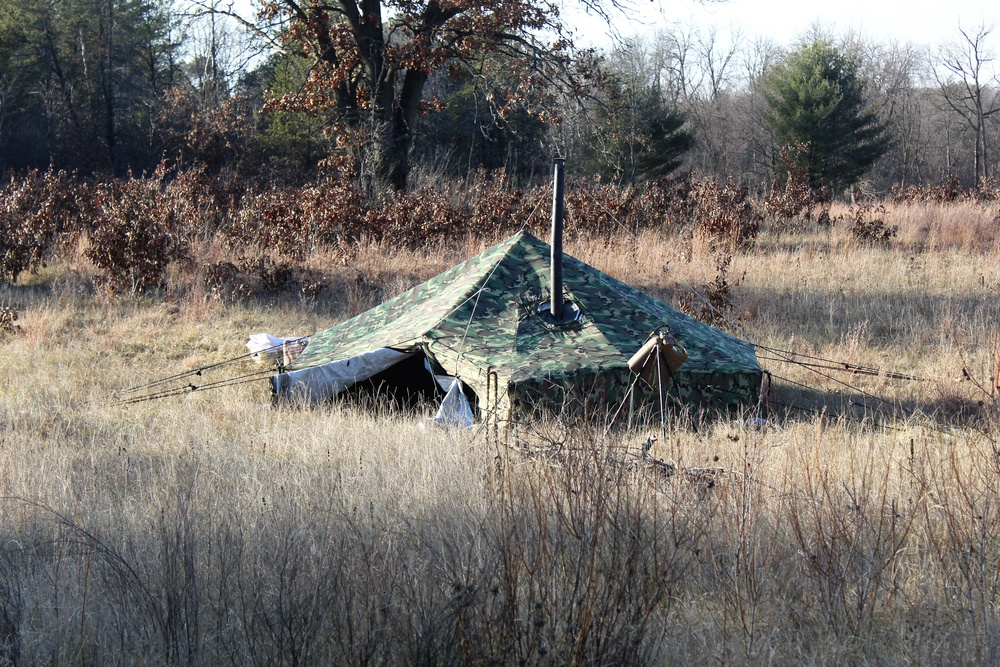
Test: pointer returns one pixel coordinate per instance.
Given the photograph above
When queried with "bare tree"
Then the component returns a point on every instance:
(759, 151)
(968, 88)
(711, 102)
(893, 71)
(715, 60)
(670, 62)
(220, 45)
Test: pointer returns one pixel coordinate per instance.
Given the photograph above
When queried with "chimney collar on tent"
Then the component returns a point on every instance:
(570, 313)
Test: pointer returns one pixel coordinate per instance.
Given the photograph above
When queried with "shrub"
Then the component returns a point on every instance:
(716, 306)
(198, 201)
(295, 221)
(497, 208)
(669, 200)
(798, 198)
(949, 190)
(410, 220)
(226, 283)
(869, 227)
(135, 233)
(8, 316)
(725, 215)
(37, 212)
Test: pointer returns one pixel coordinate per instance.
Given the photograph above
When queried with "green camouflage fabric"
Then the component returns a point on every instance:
(481, 316)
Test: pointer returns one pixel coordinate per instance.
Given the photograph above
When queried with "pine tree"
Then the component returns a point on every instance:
(818, 116)
(638, 135)
(80, 81)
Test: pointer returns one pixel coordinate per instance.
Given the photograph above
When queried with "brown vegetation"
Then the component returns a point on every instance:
(217, 528)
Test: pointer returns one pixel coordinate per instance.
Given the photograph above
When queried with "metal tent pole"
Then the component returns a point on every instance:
(556, 306)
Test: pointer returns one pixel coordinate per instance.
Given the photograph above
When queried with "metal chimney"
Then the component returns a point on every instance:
(556, 305)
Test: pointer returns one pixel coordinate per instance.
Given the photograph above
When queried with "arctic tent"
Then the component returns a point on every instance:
(484, 321)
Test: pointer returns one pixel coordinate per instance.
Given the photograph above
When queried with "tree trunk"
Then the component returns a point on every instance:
(404, 118)
(64, 86)
(108, 88)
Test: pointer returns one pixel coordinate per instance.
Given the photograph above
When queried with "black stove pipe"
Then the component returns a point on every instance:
(556, 307)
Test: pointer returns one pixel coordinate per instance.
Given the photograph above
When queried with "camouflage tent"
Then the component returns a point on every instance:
(480, 321)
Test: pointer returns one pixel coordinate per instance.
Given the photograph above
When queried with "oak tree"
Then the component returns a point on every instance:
(371, 60)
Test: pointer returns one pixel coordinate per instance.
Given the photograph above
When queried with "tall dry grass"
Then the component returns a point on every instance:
(217, 528)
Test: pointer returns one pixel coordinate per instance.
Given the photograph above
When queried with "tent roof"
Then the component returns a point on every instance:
(483, 313)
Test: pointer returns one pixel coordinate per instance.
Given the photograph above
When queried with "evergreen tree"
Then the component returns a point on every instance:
(638, 135)
(818, 116)
(80, 79)
(471, 131)
(293, 143)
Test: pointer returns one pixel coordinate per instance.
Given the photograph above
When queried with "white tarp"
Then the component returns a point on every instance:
(319, 383)
(265, 347)
(455, 411)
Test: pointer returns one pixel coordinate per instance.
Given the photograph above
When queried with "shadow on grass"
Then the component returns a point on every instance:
(787, 402)
(826, 314)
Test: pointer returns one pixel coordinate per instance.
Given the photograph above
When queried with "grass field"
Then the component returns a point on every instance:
(216, 528)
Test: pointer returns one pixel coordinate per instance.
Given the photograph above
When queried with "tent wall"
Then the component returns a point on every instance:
(602, 392)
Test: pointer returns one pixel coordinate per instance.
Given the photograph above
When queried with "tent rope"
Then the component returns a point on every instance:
(197, 372)
(846, 367)
(846, 415)
(190, 388)
(837, 365)
(789, 357)
(461, 346)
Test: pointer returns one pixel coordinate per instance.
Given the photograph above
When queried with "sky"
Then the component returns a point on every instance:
(920, 22)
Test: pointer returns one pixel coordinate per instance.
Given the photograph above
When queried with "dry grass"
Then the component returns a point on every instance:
(216, 528)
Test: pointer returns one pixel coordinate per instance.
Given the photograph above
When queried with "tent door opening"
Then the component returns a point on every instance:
(406, 385)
